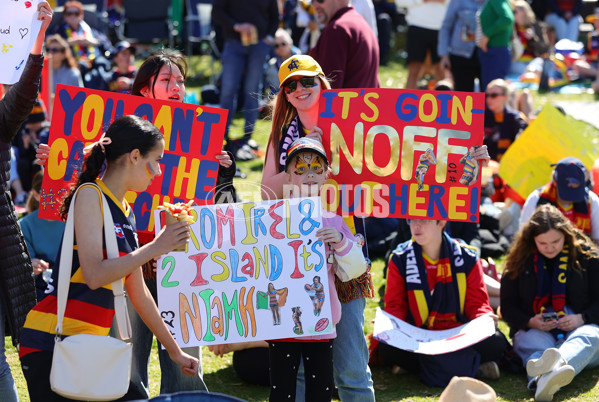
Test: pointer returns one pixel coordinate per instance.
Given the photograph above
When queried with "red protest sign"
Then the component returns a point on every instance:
(193, 137)
(401, 153)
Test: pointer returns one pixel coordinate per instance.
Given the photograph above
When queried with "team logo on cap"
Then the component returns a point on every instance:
(294, 65)
(572, 182)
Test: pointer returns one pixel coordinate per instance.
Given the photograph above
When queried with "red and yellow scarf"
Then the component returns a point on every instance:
(551, 285)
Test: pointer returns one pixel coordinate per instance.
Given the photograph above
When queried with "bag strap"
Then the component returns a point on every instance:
(66, 262)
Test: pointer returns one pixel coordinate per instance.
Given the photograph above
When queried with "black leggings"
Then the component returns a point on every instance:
(285, 359)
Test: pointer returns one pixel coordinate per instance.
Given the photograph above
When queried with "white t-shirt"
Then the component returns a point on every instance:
(427, 15)
(533, 199)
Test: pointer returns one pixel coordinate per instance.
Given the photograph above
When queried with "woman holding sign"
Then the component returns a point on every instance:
(131, 150)
(162, 76)
(549, 299)
(295, 116)
(17, 292)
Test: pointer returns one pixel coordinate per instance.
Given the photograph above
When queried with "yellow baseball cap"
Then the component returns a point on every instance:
(302, 65)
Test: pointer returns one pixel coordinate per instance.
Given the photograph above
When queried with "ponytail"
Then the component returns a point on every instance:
(123, 136)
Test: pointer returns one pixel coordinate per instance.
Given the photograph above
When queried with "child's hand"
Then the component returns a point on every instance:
(329, 235)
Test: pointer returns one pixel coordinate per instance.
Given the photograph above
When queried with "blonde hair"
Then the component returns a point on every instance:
(529, 15)
(500, 83)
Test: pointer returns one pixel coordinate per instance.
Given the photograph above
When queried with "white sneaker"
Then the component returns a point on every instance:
(544, 364)
(549, 383)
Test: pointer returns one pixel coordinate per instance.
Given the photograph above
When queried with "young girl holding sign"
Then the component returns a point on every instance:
(307, 169)
(131, 149)
(295, 115)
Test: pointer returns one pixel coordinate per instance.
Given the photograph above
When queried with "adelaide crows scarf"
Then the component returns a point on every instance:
(551, 283)
(446, 301)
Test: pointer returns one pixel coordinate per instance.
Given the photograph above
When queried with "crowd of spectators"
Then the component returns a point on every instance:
(461, 45)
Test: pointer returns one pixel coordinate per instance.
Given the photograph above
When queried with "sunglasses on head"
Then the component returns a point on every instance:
(494, 95)
(291, 85)
(54, 50)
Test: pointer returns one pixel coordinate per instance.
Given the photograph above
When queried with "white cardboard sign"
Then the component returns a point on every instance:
(400, 334)
(248, 274)
(19, 27)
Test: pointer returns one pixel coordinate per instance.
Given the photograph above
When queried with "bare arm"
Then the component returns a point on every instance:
(146, 308)
(97, 271)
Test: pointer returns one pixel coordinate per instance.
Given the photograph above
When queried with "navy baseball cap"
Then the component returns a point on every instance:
(570, 176)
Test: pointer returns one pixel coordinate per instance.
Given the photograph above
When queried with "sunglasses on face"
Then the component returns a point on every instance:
(319, 1)
(291, 86)
(278, 45)
(71, 13)
(494, 95)
(54, 50)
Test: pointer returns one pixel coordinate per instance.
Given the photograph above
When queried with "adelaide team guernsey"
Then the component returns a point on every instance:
(88, 311)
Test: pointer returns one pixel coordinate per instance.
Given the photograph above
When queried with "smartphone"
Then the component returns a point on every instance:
(550, 316)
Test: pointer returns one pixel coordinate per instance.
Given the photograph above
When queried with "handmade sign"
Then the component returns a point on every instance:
(193, 137)
(18, 30)
(526, 165)
(252, 271)
(400, 153)
(400, 334)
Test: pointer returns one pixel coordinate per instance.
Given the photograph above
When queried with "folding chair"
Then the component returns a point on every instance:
(147, 21)
(200, 30)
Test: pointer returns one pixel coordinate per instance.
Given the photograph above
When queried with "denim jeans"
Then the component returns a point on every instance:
(172, 379)
(8, 389)
(494, 63)
(237, 60)
(350, 357)
(564, 29)
(580, 349)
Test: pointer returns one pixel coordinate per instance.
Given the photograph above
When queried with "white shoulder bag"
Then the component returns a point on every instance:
(91, 367)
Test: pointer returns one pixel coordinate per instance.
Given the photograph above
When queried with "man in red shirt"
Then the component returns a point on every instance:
(347, 49)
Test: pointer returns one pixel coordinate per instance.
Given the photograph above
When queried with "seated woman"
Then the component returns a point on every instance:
(549, 300)
(531, 35)
(64, 66)
(449, 277)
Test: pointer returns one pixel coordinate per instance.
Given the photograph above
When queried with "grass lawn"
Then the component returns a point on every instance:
(218, 372)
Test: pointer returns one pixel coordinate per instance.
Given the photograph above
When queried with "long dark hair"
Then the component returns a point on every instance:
(151, 67)
(126, 133)
(545, 218)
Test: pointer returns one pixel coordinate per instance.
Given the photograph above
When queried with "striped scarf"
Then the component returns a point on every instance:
(551, 285)
(446, 301)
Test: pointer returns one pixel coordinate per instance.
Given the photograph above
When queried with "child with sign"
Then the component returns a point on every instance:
(131, 148)
(295, 116)
(306, 168)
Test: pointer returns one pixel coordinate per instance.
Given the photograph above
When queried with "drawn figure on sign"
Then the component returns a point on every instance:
(471, 166)
(273, 303)
(318, 297)
(6, 48)
(297, 323)
(425, 160)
